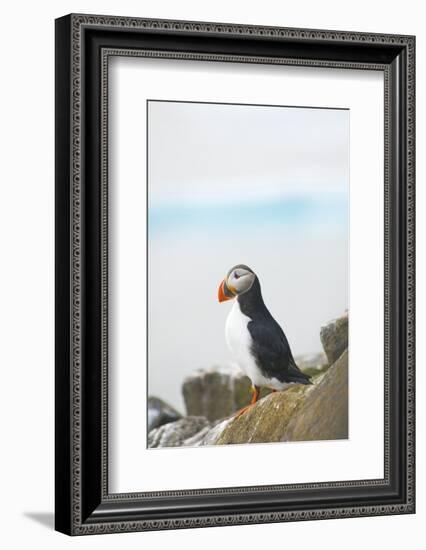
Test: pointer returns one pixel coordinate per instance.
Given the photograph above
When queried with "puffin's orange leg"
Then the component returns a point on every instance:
(255, 391)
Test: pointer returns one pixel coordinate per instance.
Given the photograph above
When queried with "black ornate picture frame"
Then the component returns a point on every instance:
(84, 44)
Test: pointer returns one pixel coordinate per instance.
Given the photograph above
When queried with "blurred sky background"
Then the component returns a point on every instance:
(228, 184)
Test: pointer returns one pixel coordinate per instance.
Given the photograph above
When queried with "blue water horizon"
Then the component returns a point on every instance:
(328, 212)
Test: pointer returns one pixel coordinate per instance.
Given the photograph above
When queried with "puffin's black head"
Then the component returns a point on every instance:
(239, 279)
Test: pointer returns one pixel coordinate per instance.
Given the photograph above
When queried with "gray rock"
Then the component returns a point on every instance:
(160, 413)
(323, 414)
(334, 338)
(267, 420)
(216, 393)
(209, 435)
(174, 434)
(198, 439)
(301, 413)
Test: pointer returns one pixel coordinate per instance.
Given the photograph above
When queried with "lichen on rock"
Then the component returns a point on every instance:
(302, 413)
(323, 414)
(265, 422)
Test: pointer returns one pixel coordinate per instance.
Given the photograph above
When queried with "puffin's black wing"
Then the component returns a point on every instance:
(272, 352)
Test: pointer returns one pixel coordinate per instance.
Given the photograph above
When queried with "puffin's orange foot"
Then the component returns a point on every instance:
(255, 391)
(243, 410)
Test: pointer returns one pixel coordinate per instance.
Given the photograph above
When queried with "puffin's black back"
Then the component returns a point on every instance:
(270, 347)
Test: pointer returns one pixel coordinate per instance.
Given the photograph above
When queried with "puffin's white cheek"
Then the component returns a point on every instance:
(234, 284)
(238, 283)
(243, 283)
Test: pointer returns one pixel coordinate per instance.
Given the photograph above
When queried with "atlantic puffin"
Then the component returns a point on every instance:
(256, 340)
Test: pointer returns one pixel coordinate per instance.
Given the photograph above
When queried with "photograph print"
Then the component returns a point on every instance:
(248, 266)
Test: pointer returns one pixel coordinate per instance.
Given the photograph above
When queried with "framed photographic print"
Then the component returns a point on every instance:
(234, 274)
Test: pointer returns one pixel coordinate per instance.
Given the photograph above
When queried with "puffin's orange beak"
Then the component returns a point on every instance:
(223, 295)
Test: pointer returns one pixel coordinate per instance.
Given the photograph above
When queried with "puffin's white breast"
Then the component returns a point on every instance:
(237, 335)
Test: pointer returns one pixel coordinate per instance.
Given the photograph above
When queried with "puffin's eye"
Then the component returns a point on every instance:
(236, 275)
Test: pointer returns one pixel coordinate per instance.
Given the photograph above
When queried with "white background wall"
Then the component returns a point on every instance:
(27, 244)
